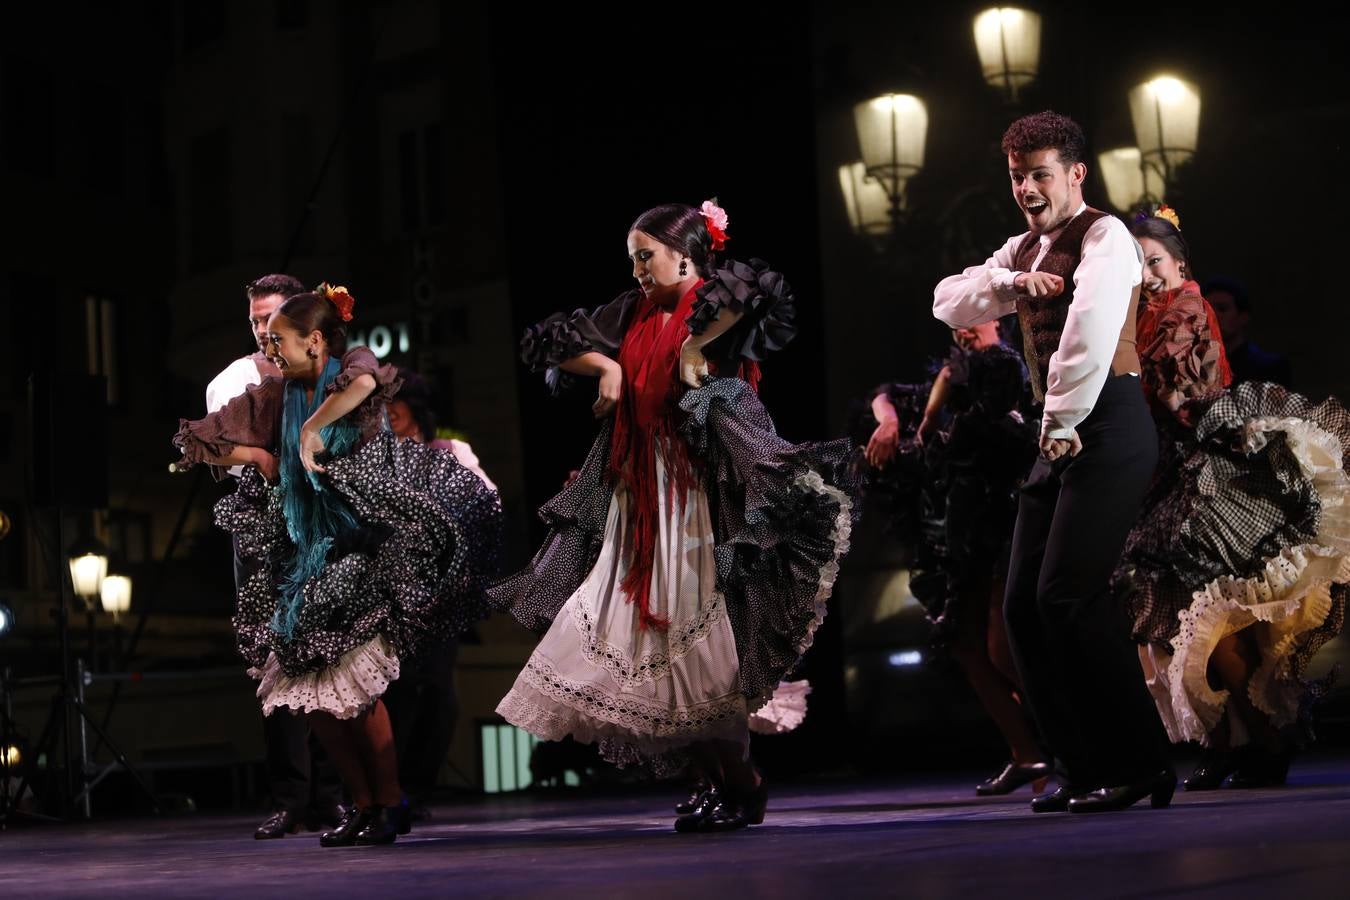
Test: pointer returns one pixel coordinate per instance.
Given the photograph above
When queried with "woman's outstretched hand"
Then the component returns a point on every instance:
(311, 445)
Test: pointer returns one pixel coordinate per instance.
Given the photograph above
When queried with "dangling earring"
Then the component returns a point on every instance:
(684, 263)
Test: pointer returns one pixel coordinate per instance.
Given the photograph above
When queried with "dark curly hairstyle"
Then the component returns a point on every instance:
(1047, 131)
(682, 229)
(285, 285)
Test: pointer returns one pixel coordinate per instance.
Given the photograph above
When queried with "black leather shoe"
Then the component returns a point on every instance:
(727, 815)
(1055, 801)
(324, 819)
(279, 824)
(1261, 768)
(1013, 777)
(402, 815)
(382, 824)
(691, 820)
(1158, 788)
(691, 803)
(345, 833)
(1212, 770)
(754, 804)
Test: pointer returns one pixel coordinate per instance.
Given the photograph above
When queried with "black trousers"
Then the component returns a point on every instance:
(300, 776)
(1079, 668)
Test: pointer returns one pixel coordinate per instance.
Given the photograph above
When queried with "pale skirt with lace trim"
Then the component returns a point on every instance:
(344, 690)
(599, 677)
(1294, 596)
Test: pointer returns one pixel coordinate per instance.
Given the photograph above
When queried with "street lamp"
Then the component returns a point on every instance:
(1166, 115)
(1128, 181)
(891, 133)
(116, 595)
(866, 201)
(88, 567)
(1008, 40)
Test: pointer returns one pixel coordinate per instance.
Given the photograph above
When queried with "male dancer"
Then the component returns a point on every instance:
(305, 787)
(1073, 281)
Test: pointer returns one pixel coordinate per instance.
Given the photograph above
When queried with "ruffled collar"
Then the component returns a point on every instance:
(1168, 297)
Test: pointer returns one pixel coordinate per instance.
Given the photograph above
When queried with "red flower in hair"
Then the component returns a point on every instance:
(715, 217)
(337, 295)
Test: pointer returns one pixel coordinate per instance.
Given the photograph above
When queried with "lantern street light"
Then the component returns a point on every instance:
(1008, 40)
(1166, 115)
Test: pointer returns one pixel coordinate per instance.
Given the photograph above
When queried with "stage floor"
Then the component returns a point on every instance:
(919, 837)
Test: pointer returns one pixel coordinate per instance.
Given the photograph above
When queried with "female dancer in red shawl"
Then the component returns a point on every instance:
(689, 562)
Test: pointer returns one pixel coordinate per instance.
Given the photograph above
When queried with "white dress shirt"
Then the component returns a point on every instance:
(1110, 267)
(230, 384)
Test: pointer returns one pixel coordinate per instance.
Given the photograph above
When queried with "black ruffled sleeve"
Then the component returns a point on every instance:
(766, 303)
(561, 337)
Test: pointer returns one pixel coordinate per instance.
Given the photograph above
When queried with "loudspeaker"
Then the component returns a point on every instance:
(68, 439)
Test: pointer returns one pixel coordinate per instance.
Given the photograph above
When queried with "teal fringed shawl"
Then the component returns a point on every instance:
(314, 515)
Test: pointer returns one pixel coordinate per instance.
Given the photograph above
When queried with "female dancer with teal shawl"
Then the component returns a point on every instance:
(360, 547)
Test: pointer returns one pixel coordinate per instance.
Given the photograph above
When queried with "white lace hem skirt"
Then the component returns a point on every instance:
(599, 677)
(1287, 600)
(345, 690)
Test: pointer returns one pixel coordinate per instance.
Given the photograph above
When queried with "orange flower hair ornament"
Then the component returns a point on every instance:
(340, 297)
(1164, 212)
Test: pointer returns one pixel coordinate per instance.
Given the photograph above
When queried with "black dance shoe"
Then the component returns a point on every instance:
(694, 800)
(708, 801)
(739, 811)
(754, 804)
(728, 815)
(1055, 801)
(1158, 787)
(1212, 770)
(402, 815)
(345, 834)
(279, 824)
(1261, 768)
(382, 824)
(1013, 777)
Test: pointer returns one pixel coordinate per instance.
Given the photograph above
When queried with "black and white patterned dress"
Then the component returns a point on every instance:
(1246, 528)
(745, 560)
(414, 571)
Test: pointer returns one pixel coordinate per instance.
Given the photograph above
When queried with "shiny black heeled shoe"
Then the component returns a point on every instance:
(353, 821)
(1212, 770)
(694, 800)
(1013, 777)
(1055, 801)
(1158, 787)
(709, 800)
(738, 811)
(402, 815)
(279, 824)
(382, 825)
(756, 803)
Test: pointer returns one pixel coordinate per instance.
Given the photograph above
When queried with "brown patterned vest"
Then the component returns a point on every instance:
(1042, 318)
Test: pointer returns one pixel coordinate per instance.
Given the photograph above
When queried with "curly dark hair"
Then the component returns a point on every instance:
(1047, 131)
(285, 285)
